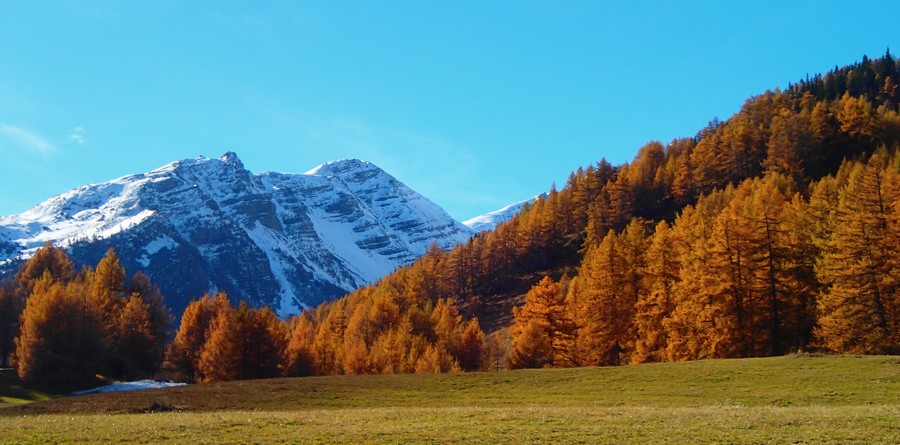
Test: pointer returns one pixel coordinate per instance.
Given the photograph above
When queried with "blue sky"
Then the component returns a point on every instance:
(474, 104)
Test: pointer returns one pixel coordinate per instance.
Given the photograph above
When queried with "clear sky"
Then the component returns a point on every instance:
(475, 104)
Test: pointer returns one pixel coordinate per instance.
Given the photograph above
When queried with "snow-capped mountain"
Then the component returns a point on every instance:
(490, 220)
(284, 240)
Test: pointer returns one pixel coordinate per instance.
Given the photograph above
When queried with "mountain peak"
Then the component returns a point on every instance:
(342, 166)
(231, 158)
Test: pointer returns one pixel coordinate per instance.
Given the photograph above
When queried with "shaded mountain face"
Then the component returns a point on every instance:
(199, 225)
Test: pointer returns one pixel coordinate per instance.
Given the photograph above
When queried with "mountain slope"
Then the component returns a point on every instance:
(285, 240)
(490, 220)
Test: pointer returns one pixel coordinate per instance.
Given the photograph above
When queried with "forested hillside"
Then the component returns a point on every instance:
(772, 231)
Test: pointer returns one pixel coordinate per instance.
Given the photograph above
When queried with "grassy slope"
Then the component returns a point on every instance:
(785, 399)
(13, 393)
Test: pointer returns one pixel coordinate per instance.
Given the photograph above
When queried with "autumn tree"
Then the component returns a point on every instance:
(159, 316)
(133, 343)
(264, 344)
(790, 143)
(107, 283)
(399, 350)
(473, 349)
(244, 343)
(746, 284)
(219, 355)
(133, 335)
(682, 185)
(859, 303)
(300, 355)
(800, 240)
(447, 325)
(59, 344)
(360, 333)
(781, 276)
(542, 327)
(499, 349)
(196, 323)
(633, 243)
(655, 307)
(436, 359)
(858, 119)
(688, 326)
(531, 346)
(48, 259)
(606, 304)
(328, 344)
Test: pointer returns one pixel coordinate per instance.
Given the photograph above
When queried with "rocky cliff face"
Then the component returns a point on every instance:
(283, 240)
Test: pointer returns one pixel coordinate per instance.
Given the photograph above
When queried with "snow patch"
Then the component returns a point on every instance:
(270, 244)
(336, 167)
(130, 386)
(340, 238)
(163, 242)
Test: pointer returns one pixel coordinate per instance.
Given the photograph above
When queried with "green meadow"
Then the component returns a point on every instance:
(792, 399)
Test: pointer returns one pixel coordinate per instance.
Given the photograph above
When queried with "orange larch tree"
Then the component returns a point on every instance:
(196, 322)
(219, 356)
(300, 357)
(606, 318)
(59, 345)
(544, 312)
(473, 349)
(860, 298)
(654, 308)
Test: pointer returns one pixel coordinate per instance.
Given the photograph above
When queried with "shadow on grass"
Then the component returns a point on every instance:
(12, 392)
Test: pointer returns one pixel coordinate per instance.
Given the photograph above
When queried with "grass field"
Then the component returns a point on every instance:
(796, 399)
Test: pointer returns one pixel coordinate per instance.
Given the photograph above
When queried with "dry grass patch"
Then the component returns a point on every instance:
(711, 424)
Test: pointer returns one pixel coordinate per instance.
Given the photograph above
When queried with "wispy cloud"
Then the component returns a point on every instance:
(78, 135)
(27, 139)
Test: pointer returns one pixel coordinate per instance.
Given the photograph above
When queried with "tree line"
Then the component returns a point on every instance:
(63, 328)
(380, 333)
